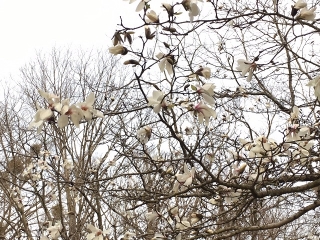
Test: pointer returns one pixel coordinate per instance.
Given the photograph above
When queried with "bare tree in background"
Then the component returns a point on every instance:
(208, 131)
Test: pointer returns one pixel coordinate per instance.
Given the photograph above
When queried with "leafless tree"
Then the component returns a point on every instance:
(208, 131)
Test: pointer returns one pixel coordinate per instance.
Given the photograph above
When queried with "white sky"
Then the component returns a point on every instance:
(28, 26)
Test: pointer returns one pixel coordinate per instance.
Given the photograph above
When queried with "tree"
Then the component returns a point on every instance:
(211, 133)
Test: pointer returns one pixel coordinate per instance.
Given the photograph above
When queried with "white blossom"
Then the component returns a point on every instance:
(165, 63)
(204, 112)
(184, 179)
(73, 112)
(300, 4)
(204, 72)
(157, 101)
(87, 108)
(308, 15)
(192, 7)
(183, 224)
(96, 233)
(144, 134)
(207, 92)
(316, 84)
(246, 67)
(119, 49)
(54, 230)
(40, 117)
(152, 17)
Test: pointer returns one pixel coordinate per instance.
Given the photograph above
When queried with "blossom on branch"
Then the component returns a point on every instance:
(245, 66)
(87, 108)
(73, 112)
(204, 112)
(96, 233)
(152, 17)
(184, 179)
(166, 62)
(207, 91)
(54, 230)
(141, 4)
(204, 72)
(157, 101)
(144, 134)
(192, 7)
(41, 116)
(316, 84)
(308, 15)
(119, 49)
(297, 6)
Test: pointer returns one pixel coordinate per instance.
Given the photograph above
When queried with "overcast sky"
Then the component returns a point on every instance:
(28, 26)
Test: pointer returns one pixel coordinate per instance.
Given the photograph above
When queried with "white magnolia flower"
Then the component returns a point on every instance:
(157, 101)
(300, 4)
(308, 15)
(303, 151)
(207, 91)
(296, 133)
(18, 201)
(204, 72)
(144, 134)
(152, 17)
(73, 112)
(245, 66)
(239, 169)
(96, 233)
(245, 143)
(47, 96)
(54, 230)
(316, 84)
(165, 63)
(294, 115)
(184, 179)
(141, 4)
(262, 147)
(119, 49)
(52, 99)
(27, 171)
(67, 164)
(192, 7)
(204, 112)
(87, 108)
(41, 116)
(168, 7)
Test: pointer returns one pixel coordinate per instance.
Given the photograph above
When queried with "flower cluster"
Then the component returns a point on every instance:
(305, 13)
(74, 112)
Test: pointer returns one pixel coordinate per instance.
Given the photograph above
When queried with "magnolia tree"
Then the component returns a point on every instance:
(204, 126)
